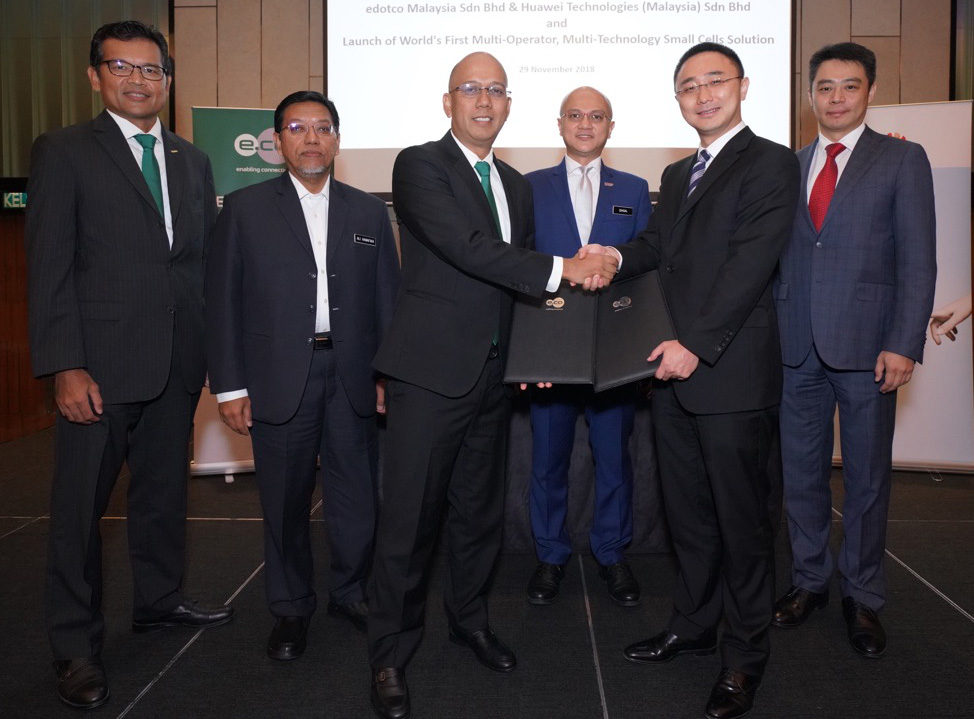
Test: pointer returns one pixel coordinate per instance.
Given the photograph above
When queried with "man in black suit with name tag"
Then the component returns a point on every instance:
(301, 279)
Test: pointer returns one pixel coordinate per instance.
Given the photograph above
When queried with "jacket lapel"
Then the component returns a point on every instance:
(724, 161)
(116, 146)
(176, 181)
(468, 177)
(805, 156)
(337, 214)
(862, 158)
(290, 206)
(603, 207)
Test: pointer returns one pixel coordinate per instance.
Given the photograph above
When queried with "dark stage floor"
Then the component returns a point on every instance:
(570, 663)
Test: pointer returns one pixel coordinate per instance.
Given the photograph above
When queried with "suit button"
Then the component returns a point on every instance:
(669, 268)
(313, 275)
(311, 308)
(818, 244)
(311, 340)
(171, 309)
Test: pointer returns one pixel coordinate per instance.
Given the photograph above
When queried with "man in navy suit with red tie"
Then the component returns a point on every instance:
(853, 294)
(579, 198)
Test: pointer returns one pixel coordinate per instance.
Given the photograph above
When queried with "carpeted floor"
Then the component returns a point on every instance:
(570, 663)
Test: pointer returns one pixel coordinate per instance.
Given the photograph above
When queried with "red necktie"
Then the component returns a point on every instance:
(824, 187)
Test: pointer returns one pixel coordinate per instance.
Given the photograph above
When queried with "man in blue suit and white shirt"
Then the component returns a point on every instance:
(580, 198)
(853, 294)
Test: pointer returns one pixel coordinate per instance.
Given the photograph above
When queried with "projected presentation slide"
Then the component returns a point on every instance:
(389, 63)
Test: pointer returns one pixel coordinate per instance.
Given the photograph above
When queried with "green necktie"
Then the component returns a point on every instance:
(483, 169)
(150, 169)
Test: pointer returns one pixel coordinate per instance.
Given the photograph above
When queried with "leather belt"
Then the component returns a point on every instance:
(322, 341)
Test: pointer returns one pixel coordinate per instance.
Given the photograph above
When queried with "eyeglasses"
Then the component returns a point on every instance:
(596, 118)
(713, 85)
(120, 68)
(321, 129)
(472, 89)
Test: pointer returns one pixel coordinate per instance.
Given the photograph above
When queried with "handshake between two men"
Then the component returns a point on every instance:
(593, 267)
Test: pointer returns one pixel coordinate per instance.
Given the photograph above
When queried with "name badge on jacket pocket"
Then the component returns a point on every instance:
(620, 210)
(364, 240)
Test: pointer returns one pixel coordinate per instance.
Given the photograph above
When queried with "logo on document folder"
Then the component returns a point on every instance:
(555, 303)
(623, 303)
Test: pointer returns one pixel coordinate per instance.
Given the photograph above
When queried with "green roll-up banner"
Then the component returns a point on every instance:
(240, 143)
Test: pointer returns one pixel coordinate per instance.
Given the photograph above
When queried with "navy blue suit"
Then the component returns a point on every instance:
(862, 285)
(623, 210)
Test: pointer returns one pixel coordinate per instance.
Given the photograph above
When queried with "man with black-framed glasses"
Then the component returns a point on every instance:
(118, 214)
(301, 279)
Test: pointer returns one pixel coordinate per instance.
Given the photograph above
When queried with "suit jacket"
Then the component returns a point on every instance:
(458, 276)
(106, 291)
(623, 209)
(865, 282)
(716, 252)
(261, 291)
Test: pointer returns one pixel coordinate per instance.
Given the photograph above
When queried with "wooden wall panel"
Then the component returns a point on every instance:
(284, 53)
(238, 53)
(925, 70)
(194, 50)
(316, 40)
(887, 51)
(875, 18)
(823, 22)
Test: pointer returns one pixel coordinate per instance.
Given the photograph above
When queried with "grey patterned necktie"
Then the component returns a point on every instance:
(699, 167)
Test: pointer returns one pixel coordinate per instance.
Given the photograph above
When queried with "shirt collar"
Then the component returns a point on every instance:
(129, 130)
(849, 140)
(471, 157)
(717, 145)
(305, 192)
(571, 165)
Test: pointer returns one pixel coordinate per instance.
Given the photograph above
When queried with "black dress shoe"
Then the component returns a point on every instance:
(665, 646)
(355, 612)
(545, 582)
(81, 683)
(187, 614)
(288, 639)
(866, 634)
(796, 605)
(732, 695)
(390, 695)
(623, 587)
(489, 649)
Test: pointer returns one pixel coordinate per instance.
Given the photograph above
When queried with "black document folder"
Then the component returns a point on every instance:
(576, 337)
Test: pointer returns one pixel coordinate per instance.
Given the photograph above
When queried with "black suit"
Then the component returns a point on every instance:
(261, 295)
(109, 295)
(447, 407)
(716, 431)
